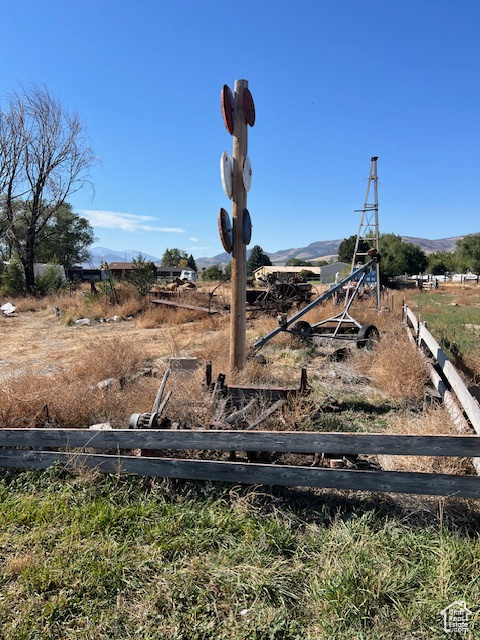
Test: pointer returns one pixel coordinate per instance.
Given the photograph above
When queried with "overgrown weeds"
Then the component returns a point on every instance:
(395, 364)
(70, 397)
(433, 421)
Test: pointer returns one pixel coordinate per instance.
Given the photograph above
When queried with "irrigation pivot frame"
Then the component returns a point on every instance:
(303, 329)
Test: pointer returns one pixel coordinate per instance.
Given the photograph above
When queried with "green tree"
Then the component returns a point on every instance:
(441, 262)
(307, 274)
(191, 263)
(213, 273)
(227, 272)
(467, 253)
(398, 257)
(65, 238)
(174, 258)
(143, 275)
(347, 247)
(257, 259)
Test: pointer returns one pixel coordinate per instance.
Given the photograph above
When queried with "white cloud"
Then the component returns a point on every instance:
(193, 239)
(130, 222)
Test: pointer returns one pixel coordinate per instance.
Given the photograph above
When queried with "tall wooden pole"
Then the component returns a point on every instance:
(239, 253)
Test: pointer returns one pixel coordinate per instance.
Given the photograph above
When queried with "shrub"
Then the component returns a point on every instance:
(143, 275)
(13, 280)
(50, 281)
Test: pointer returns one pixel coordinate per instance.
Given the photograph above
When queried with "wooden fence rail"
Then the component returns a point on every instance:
(77, 440)
(236, 440)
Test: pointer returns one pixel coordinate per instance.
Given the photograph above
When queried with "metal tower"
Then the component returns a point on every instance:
(368, 230)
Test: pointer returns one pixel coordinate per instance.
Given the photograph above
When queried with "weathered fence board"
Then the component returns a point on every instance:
(235, 440)
(378, 481)
(413, 319)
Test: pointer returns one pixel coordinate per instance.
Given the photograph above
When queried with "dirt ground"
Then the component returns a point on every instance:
(40, 342)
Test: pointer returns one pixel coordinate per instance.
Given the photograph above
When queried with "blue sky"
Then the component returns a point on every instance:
(333, 82)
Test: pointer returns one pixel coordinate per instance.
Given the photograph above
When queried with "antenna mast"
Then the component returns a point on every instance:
(368, 231)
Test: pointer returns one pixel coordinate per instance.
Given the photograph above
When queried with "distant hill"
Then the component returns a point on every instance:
(433, 246)
(328, 250)
(104, 254)
(319, 250)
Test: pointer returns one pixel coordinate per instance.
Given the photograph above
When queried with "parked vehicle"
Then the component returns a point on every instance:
(188, 274)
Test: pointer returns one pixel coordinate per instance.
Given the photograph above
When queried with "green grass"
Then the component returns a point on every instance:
(446, 321)
(112, 558)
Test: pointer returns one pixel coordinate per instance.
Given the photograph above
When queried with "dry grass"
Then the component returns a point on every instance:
(69, 397)
(190, 401)
(395, 365)
(434, 421)
(30, 399)
(19, 563)
(472, 361)
(83, 305)
(157, 315)
(30, 303)
(113, 357)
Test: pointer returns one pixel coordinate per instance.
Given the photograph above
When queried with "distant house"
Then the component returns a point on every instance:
(325, 274)
(120, 269)
(169, 272)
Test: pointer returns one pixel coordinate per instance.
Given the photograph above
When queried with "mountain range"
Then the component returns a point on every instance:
(328, 250)
(319, 250)
(103, 254)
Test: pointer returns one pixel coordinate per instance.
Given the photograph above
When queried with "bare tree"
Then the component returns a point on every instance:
(12, 144)
(49, 158)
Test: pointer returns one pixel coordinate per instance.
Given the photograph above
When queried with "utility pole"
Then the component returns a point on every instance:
(368, 230)
(238, 317)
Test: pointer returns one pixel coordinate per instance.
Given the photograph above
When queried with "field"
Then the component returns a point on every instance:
(453, 316)
(84, 556)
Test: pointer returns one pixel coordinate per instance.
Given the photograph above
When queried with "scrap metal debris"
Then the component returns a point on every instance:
(8, 309)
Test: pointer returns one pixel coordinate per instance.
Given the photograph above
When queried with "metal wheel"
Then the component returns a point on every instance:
(314, 293)
(368, 336)
(302, 329)
(280, 298)
(219, 298)
(259, 307)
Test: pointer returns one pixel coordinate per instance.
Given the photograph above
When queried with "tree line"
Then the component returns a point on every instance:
(398, 257)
